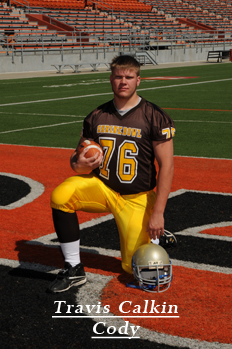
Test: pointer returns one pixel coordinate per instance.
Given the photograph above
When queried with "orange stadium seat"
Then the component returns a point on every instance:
(163, 16)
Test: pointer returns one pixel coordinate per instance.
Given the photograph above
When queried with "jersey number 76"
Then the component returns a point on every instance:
(127, 164)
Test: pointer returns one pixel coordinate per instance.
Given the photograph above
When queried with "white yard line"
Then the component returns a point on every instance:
(40, 114)
(110, 93)
(72, 122)
(33, 128)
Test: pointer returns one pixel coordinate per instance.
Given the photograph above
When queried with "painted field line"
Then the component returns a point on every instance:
(67, 148)
(79, 116)
(180, 85)
(36, 190)
(33, 128)
(56, 99)
(105, 252)
(72, 122)
(39, 114)
(110, 93)
(160, 338)
(47, 147)
(201, 157)
(48, 241)
(205, 121)
(29, 266)
(37, 146)
(195, 109)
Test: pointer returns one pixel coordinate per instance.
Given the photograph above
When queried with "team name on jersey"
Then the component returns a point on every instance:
(120, 130)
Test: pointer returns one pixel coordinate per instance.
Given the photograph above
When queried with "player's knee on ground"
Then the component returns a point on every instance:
(127, 268)
(61, 196)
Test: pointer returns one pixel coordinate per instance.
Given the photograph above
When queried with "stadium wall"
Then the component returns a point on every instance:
(45, 62)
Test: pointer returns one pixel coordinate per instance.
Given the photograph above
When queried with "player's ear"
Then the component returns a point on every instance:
(138, 80)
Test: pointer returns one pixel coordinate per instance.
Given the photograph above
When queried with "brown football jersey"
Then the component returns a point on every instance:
(128, 163)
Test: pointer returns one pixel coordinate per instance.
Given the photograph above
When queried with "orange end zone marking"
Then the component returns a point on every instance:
(223, 231)
(50, 167)
(203, 174)
(198, 109)
(200, 297)
(170, 77)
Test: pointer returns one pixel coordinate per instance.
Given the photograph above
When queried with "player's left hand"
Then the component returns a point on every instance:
(155, 225)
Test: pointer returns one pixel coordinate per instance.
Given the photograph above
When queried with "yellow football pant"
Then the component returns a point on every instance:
(131, 212)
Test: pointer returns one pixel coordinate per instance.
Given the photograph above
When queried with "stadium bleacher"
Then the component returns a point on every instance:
(89, 22)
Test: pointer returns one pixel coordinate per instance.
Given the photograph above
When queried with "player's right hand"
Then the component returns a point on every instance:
(82, 165)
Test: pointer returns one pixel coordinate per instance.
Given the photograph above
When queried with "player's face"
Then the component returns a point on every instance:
(124, 83)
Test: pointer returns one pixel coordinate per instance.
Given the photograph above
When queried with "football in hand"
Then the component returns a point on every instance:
(91, 146)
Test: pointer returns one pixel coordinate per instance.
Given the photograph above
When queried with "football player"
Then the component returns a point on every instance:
(133, 133)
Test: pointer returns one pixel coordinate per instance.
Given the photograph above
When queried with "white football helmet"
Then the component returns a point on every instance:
(152, 268)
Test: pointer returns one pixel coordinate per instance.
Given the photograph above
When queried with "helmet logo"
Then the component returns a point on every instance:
(153, 264)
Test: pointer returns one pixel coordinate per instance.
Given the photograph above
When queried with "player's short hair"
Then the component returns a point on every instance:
(125, 62)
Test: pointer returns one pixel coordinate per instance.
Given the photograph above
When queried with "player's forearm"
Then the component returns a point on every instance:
(163, 188)
(164, 182)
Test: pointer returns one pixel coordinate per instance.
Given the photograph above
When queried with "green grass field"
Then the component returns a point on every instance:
(48, 111)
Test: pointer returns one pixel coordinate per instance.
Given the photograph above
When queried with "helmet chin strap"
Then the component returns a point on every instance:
(132, 285)
(148, 288)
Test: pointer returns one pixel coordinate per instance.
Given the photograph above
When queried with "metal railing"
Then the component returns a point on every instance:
(132, 41)
(23, 3)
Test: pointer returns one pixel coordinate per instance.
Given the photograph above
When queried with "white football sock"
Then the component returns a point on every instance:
(71, 252)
